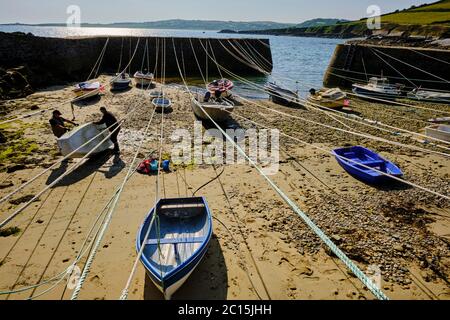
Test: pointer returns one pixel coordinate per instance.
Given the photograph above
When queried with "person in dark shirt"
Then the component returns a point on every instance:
(112, 124)
(58, 124)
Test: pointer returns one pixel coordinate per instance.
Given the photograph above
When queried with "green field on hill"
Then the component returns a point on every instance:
(436, 13)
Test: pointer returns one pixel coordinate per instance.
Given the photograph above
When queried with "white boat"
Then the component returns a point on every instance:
(87, 90)
(443, 120)
(429, 96)
(143, 79)
(439, 131)
(121, 81)
(218, 111)
(74, 139)
(162, 104)
(156, 94)
(379, 88)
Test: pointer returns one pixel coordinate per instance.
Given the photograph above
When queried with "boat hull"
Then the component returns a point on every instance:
(362, 156)
(441, 132)
(367, 93)
(218, 113)
(282, 96)
(175, 251)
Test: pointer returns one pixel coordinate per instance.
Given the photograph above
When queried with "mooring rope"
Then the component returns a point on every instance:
(340, 254)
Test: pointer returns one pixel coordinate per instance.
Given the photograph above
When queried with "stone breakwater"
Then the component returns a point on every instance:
(28, 62)
(359, 60)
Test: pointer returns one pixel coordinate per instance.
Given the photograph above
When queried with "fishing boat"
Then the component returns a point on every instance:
(143, 79)
(221, 88)
(429, 96)
(121, 81)
(218, 110)
(281, 95)
(74, 139)
(438, 131)
(162, 104)
(87, 90)
(329, 98)
(177, 241)
(355, 161)
(379, 88)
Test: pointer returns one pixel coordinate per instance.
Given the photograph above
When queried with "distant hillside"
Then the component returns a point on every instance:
(320, 22)
(430, 20)
(185, 25)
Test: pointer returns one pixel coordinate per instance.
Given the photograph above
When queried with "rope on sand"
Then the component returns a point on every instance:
(340, 254)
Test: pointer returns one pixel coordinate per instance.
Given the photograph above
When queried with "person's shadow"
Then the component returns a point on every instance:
(117, 166)
(92, 165)
(208, 282)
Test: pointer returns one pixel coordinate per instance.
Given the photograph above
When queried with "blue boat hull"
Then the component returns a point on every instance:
(365, 165)
(171, 256)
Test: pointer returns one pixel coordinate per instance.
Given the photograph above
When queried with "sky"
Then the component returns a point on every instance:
(107, 11)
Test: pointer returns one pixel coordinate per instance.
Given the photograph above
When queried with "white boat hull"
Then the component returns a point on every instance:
(217, 112)
(74, 139)
(441, 132)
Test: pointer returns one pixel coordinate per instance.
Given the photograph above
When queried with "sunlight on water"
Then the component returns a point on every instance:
(304, 60)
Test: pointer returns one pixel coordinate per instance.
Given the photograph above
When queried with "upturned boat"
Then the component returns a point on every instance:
(429, 96)
(281, 95)
(74, 139)
(177, 241)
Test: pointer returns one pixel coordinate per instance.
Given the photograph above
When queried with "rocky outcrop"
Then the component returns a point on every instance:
(51, 61)
(14, 83)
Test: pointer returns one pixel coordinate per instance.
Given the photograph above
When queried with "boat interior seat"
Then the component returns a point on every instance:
(373, 163)
(155, 242)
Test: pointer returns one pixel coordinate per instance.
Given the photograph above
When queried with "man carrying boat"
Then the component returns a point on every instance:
(58, 124)
(113, 125)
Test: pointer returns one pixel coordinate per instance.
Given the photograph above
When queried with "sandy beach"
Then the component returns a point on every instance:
(260, 248)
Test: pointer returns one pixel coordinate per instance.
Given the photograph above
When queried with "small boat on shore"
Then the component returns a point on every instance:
(87, 90)
(379, 88)
(219, 111)
(221, 88)
(177, 242)
(281, 95)
(443, 120)
(162, 104)
(156, 94)
(144, 79)
(74, 139)
(329, 98)
(355, 161)
(121, 81)
(438, 131)
(429, 96)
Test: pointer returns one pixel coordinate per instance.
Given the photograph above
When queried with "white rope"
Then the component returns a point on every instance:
(410, 65)
(341, 255)
(334, 128)
(428, 56)
(99, 60)
(109, 217)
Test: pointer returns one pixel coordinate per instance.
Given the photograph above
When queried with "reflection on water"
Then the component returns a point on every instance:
(302, 60)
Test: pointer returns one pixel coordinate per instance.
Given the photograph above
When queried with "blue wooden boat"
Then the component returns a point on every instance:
(174, 251)
(368, 158)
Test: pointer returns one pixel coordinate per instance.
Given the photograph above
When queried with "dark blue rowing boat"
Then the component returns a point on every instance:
(361, 156)
(174, 251)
